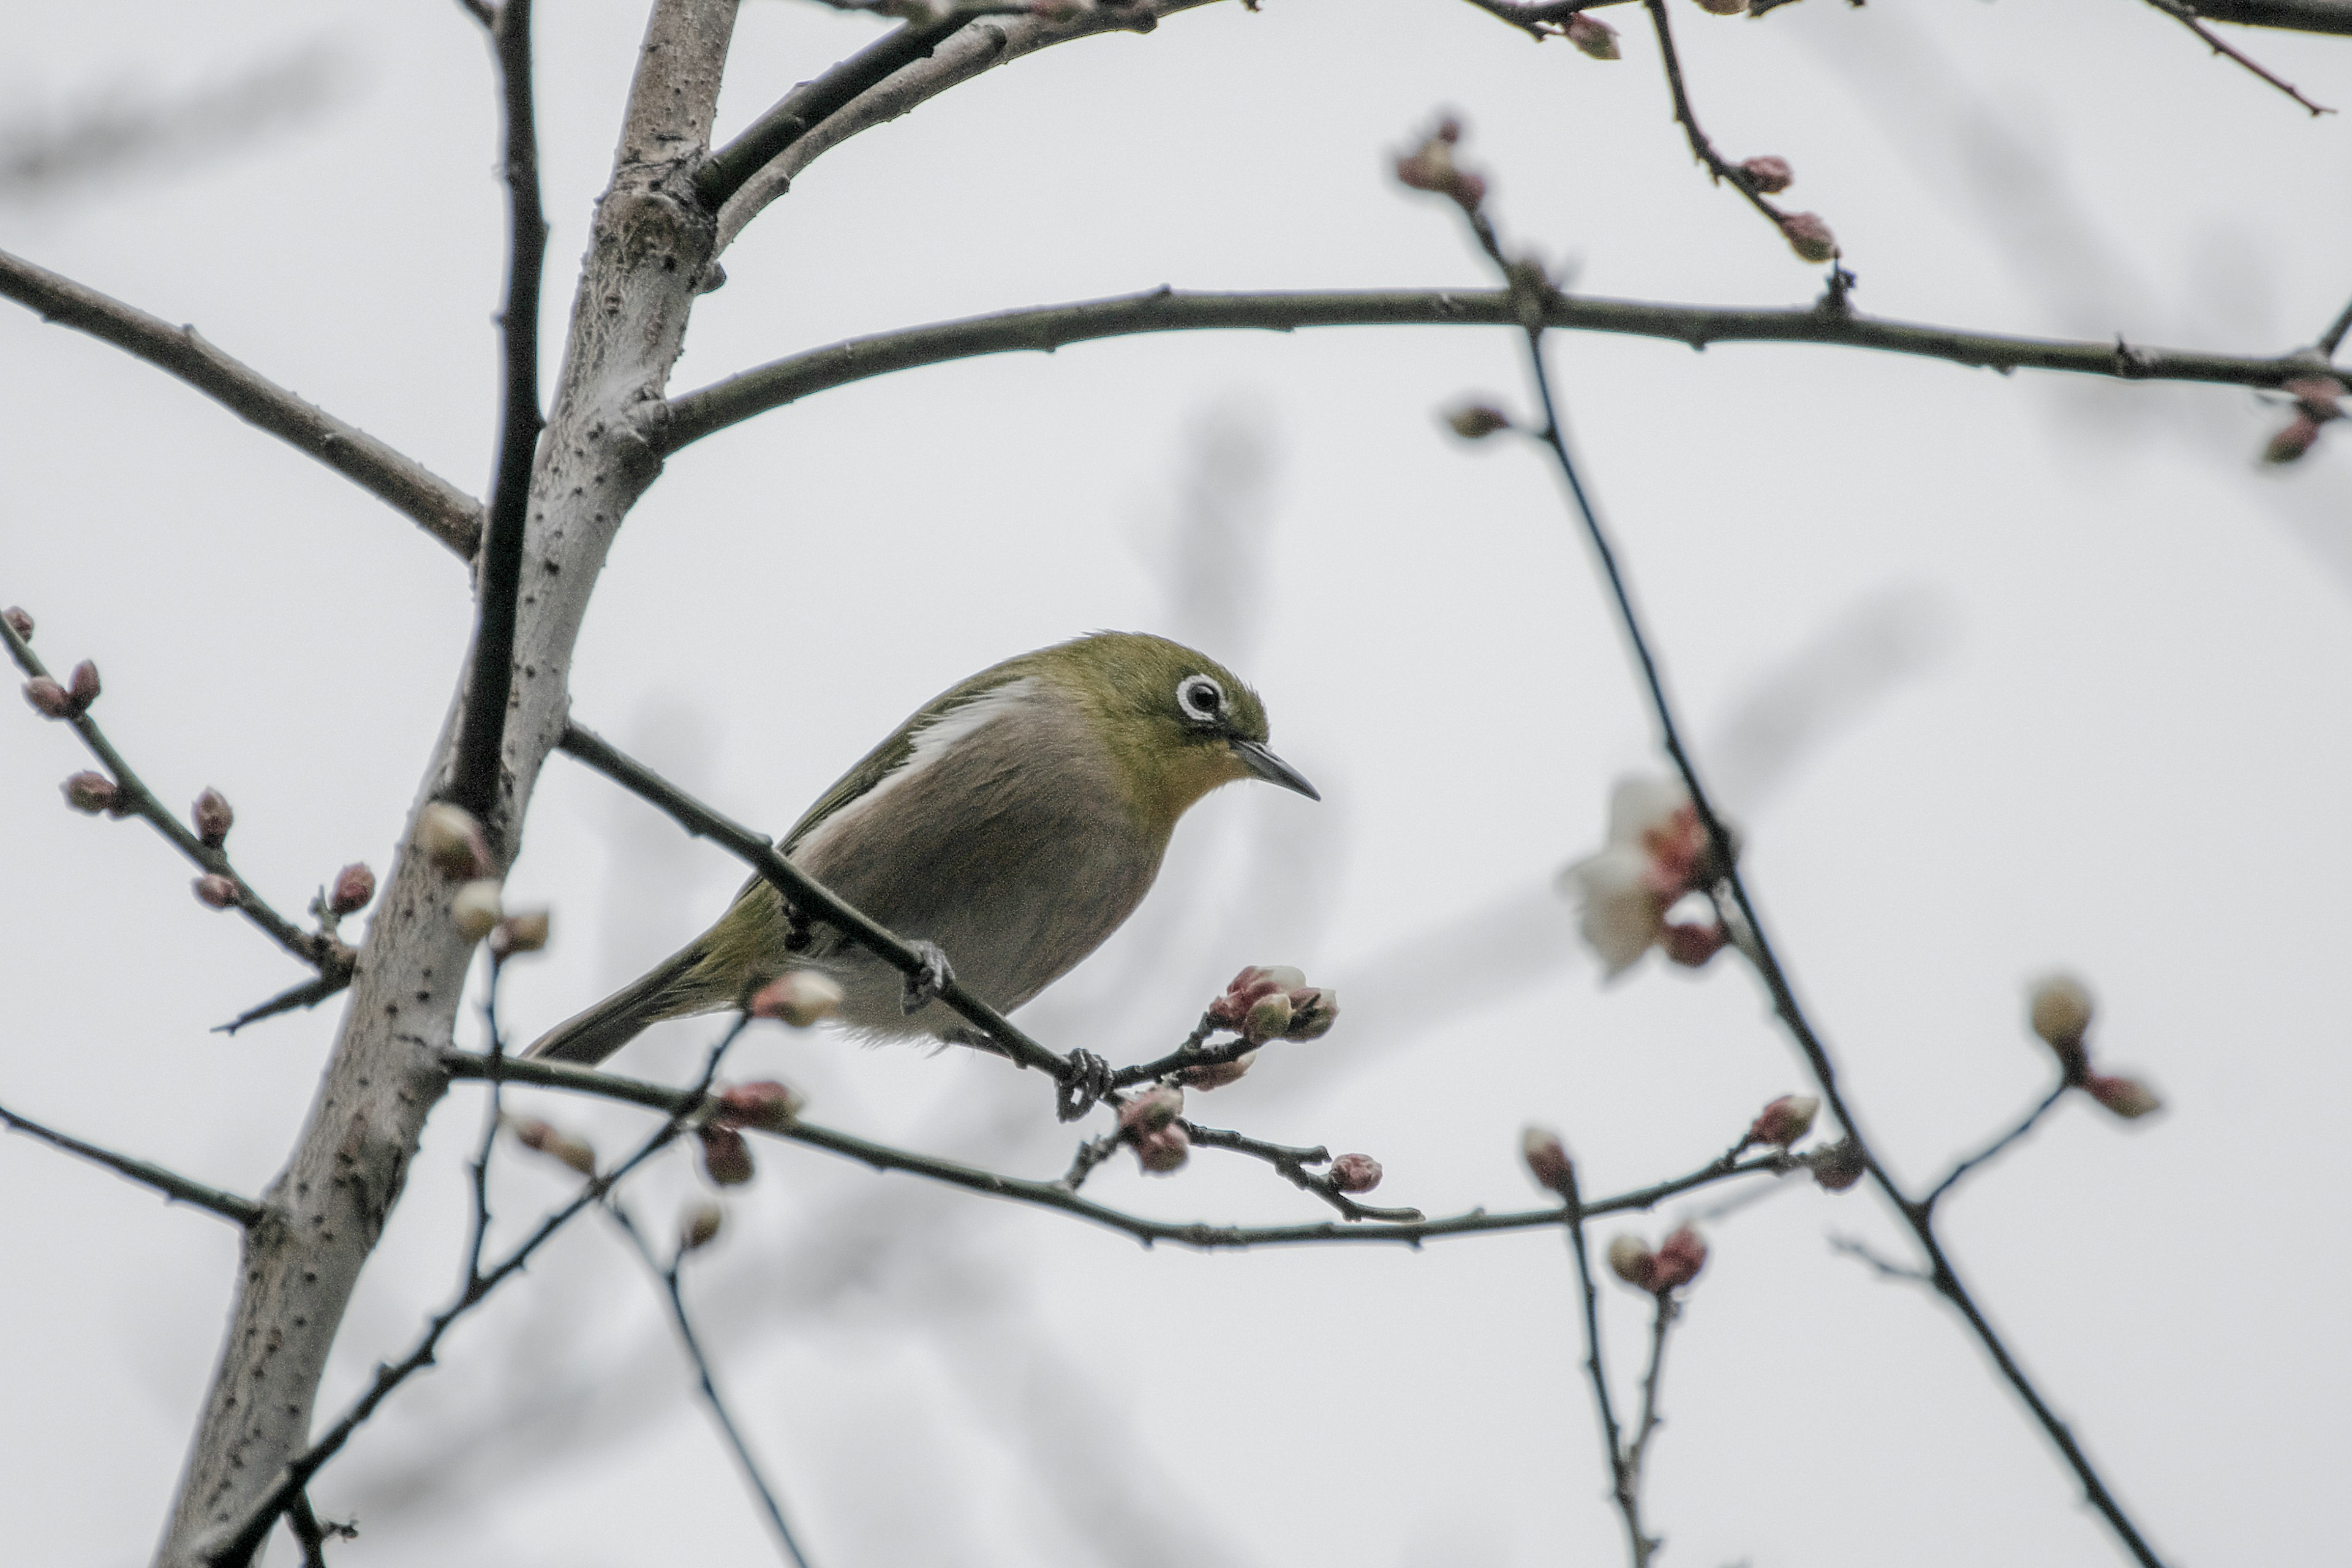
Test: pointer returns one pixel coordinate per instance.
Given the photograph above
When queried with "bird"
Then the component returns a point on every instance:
(1008, 828)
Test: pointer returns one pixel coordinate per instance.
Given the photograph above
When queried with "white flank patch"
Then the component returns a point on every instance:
(933, 740)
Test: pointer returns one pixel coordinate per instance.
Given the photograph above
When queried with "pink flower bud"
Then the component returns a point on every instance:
(800, 999)
(1546, 1159)
(1149, 1112)
(18, 622)
(1267, 1017)
(1807, 234)
(1631, 1259)
(2126, 1097)
(525, 932)
(1692, 945)
(1355, 1172)
(765, 1104)
(449, 836)
(1837, 1167)
(476, 909)
(1313, 1010)
(84, 686)
(215, 891)
(213, 818)
(1476, 421)
(2298, 437)
(1216, 1075)
(1592, 35)
(1164, 1151)
(48, 699)
(2316, 396)
(1680, 1258)
(1430, 167)
(542, 1138)
(1250, 986)
(1767, 175)
(726, 1158)
(354, 886)
(1784, 1121)
(699, 1226)
(89, 791)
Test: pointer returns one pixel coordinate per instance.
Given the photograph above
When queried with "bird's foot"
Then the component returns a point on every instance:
(924, 987)
(1089, 1081)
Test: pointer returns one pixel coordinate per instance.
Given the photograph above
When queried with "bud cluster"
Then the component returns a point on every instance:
(1658, 851)
(1151, 1124)
(1675, 1263)
(1274, 1002)
(1430, 167)
(69, 700)
(2059, 1007)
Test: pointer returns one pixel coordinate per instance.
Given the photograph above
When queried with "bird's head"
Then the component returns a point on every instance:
(1177, 723)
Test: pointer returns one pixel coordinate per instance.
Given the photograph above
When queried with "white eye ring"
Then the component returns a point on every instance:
(1203, 699)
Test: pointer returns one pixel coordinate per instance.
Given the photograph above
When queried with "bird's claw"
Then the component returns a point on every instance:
(923, 987)
(1089, 1081)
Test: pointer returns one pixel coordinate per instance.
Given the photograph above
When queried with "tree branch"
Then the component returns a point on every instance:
(1046, 327)
(481, 739)
(1717, 167)
(175, 1188)
(435, 505)
(2287, 15)
(1293, 1166)
(1055, 1195)
(1596, 1371)
(1996, 1146)
(2188, 17)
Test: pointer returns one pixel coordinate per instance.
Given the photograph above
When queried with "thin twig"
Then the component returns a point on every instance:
(401, 482)
(1669, 1310)
(479, 763)
(1046, 327)
(1717, 167)
(1195, 1052)
(2333, 338)
(686, 1104)
(667, 1279)
(2188, 17)
(1293, 1164)
(175, 1188)
(1996, 1146)
(1612, 1440)
(1855, 1247)
(236, 1544)
(133, 798)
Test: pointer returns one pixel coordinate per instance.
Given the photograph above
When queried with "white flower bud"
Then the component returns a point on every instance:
(476, 909)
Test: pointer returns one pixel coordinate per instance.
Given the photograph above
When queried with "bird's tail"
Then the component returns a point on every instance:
(665, 992)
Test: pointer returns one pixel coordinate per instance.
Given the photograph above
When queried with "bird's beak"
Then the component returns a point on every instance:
(1271, 768)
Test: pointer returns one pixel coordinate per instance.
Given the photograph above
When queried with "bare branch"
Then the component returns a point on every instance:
(2187, 16)
(2333, 338)
(481, 737)
(175, 1187)
(1645, 1427)
(440, 508)
(2289, 15)
(1597, 1374)
(1293, 1165)
(1996, 1146)
(1717, 167)
(1046, 328)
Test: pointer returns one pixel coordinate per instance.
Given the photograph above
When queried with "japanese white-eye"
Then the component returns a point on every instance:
(1014, 822)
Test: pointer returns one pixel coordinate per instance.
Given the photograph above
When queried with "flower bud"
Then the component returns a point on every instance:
(18, 622)
(1149, 1112)
(699, 1225)
(1164, 1151)
(2059, 1007)
(2298, 437)
(1723, 7)
(1355, 1172)
(354, 886)
(1767, 175)
(213, 818)
(215, 891)
(1631, 1259)
(1216, 1075)
(1592, 35)
(1546, 1159)
(1680, 1258)
(726, 1158)
(1692, 945)
(765, 1104)
(544, 1139)
(1476, 421)
(48, 699)
(1313, 1010)
(89, 791)
(476, 909)
(1838, 1166)
(1251, 985)
(1430, 167)
(450, 837)
(84, 686)
(2126, 1097)
(2316, 396)
(1809, 237)
(525, 932)
(799, 998)
(1267, 1017)
(1784, 1121)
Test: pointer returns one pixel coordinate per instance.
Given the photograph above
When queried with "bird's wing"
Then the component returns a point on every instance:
(892, 754)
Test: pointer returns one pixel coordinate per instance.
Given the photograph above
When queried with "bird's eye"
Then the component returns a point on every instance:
(1200, 697)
